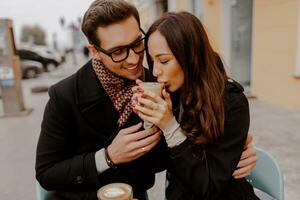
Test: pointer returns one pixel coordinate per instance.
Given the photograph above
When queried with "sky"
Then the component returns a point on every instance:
(45, 13)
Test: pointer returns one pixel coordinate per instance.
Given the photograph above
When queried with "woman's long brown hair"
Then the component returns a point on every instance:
(204, 75)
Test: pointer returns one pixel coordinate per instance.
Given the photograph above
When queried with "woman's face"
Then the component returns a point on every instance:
(165, 66)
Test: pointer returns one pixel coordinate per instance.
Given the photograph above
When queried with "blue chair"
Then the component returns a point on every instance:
(41, 193)
(267, 175)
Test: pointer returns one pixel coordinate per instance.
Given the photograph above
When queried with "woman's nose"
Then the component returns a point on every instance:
(156, 71)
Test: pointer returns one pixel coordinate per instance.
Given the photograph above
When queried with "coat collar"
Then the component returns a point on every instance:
(88, 86)
(94, 103)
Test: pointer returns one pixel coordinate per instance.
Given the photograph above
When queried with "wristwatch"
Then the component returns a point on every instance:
(109, 162)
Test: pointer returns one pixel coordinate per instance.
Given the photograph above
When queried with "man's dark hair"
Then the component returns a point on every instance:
(103, 13)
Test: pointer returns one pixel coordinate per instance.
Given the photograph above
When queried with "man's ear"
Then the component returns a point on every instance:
(93, 50)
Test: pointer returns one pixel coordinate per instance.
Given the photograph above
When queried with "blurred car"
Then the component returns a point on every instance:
(49, 64)
(31, 69)
(49, 53)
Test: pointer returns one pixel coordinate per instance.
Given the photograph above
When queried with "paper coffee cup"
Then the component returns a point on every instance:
(154, 87)
(115, 191)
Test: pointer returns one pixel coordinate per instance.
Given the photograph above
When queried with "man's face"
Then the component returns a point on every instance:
(114, 36)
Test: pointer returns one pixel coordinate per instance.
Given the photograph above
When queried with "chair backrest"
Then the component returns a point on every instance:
(41, 193)
(267, 175)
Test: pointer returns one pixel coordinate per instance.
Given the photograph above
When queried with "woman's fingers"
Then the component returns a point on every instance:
(148, 94)
(154, 108)
(245, 167)
(249, 140)
(137, 89)
(148, 103)
(138, 81)
(167, 98)
(241, 175)
(248, 152)
(134, 99)
(248, 161)
(242, 172)
(154, 102)
(145, 110)
(134, 89)
(147, 117)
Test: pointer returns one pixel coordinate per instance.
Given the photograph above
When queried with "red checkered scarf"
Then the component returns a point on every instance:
(118, 89)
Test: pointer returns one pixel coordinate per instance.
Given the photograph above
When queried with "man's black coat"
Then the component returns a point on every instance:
(79, 120)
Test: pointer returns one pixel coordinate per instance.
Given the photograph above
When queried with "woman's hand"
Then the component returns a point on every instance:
(247, 161)
(153, 108)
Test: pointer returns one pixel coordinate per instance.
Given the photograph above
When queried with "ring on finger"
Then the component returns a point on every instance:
(143, 148)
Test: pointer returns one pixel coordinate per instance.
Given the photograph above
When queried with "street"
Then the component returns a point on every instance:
(275, 129)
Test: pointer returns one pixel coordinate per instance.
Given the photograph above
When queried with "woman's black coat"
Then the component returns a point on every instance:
(194, 178)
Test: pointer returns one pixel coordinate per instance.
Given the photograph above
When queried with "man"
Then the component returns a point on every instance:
(90, 136)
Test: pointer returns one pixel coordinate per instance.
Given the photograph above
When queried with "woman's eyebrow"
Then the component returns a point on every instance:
(162, 54)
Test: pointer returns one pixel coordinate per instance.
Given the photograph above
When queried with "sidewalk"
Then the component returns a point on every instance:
(276, 129)
(19, 135)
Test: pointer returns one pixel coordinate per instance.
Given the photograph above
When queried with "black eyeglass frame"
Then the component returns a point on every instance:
(128, 47)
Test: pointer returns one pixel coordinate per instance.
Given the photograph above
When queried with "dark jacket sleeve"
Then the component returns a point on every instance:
(56, 166)
(206, 177)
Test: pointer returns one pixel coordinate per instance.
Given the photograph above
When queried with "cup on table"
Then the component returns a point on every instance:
(115, 191)
(154, 87)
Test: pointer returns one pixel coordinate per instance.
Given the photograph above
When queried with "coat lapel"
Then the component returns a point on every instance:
(93, 102)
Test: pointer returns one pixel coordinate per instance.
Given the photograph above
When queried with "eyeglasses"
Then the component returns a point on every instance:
(121, 53)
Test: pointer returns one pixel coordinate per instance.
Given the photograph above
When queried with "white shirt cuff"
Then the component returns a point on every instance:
(101, 164)
(173, 133)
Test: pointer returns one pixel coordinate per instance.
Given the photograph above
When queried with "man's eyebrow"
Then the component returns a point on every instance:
(119, 47)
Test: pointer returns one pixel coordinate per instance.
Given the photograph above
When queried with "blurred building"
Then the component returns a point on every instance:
(78, 41)
(150, 10)
(259, 41)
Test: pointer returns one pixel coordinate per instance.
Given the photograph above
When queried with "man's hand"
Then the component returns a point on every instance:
(247, 161)
(130, 144)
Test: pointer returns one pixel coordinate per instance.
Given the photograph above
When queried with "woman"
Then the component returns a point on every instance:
(204, 115)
